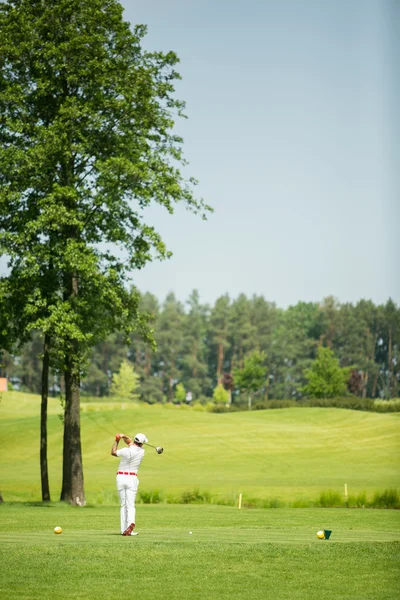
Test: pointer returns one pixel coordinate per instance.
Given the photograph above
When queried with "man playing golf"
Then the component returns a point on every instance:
(127, 480)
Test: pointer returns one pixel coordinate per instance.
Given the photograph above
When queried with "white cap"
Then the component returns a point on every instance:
(140, 438)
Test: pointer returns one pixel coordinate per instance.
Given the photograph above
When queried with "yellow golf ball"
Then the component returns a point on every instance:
(320, 535)
(57, 530)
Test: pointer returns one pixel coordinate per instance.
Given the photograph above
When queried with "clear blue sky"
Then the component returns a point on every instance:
(293, 133)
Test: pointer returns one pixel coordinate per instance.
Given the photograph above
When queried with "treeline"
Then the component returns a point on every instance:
(198, 345)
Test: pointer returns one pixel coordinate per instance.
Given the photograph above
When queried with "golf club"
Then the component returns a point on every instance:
(158, 449)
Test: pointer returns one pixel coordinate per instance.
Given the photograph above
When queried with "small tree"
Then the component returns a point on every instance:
(251, 378)
(228, 384)
(126, 382)
(325, 378)
(221, 395)
(180, 394)
(355, 383)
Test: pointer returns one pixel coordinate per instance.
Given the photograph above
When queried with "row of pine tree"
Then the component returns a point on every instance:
(199, 346)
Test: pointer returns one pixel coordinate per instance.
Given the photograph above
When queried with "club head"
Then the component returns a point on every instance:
(159, 450)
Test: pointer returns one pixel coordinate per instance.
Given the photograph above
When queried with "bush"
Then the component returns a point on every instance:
(150, 497)
(330, 499)
(195, 497)
(387, 405)
(272, 404)
(386, 499)
(221, 395)
(215, 408)
(351, 402)
(348, 402)
(359, 501)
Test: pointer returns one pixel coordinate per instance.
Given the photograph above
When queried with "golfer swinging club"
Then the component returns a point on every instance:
(127, 480)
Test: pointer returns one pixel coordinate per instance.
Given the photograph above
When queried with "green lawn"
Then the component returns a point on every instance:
(290, 454)
(241, 554)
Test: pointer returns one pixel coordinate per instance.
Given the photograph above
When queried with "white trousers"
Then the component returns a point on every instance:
(127, 486)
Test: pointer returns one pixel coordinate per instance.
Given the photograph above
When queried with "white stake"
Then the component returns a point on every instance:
(345, 490)
(240, 500)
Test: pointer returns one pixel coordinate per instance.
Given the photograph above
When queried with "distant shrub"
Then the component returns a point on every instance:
(348, 402)
(330, 499)
(195, 497)
(107, 497)
(302, 504)
(218, 408)
(262, 503)
(170, 405)
(215, 408)
(150, 497)
(387, 405)
(220, 395)
(180, 394)
(272, 404)
(359, 501)
(386, 499)
(185, 407)
(351, 402)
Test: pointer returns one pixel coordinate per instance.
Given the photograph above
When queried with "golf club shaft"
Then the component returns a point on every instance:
(147, 444)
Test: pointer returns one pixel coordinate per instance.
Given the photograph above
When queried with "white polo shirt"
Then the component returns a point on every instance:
(131, 458)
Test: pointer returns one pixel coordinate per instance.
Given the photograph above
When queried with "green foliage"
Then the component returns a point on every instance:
(387, 405)
(330, 499)
(125, 383)
(220, 395)
(150, 497)
(325, 378)
(251, 378)
(387, 499)
(86, 145)
(350, 402)
(188, 351)
(192, 497)
(180, 393)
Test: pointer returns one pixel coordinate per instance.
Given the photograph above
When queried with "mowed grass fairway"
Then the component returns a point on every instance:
(242, 554)
(287, 454)
(291, 455)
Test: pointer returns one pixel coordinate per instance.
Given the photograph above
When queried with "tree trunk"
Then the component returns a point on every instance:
(249, 401)
(390, 365)
(44, 473)
(266, 387)
(148, 364)
(373, 391)
(170, 389)
(220, 362)
(365, 384)
(72, 484)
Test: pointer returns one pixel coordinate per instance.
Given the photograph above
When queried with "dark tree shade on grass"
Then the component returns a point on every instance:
(86, 145)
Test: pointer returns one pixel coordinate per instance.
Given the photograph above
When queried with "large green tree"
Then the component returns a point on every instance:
(86, 144)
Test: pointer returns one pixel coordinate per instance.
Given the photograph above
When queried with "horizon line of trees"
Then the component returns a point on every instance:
(200, 347)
